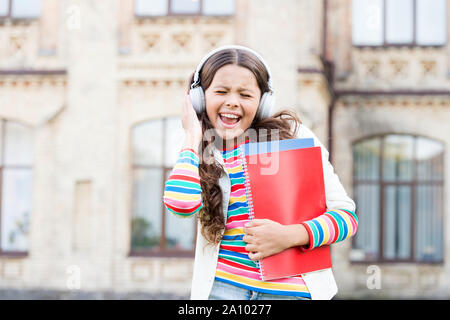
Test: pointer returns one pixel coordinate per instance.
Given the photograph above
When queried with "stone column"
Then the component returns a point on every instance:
(339, 36)
(312, 85)
(126, 17)
(49, 27)
(87, 139)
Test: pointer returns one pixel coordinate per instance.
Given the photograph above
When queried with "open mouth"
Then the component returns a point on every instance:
(229, 120)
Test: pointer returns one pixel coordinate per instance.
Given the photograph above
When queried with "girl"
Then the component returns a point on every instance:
(231, 93)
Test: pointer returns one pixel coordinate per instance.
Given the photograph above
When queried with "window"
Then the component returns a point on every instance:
(16, 186)
(431, 22)
(399, 22)
(145, 8)
(151, 7)
(184, 6)
(398, 188)
(20, 9)
(4, 8)
(155, 230)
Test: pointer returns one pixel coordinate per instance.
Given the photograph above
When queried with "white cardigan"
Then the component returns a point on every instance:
(321, 284)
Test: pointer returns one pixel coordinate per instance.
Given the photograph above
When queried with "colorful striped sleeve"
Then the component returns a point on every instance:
(333, 226)
(182, 191)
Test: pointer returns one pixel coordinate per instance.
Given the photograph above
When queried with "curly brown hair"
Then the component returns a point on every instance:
(285, 122)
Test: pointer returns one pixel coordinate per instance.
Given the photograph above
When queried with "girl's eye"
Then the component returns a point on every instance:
(224, 92)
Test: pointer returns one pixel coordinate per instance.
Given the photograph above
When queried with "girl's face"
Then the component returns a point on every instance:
(232, 100)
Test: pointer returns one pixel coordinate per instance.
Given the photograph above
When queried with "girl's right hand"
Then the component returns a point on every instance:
(191, 124)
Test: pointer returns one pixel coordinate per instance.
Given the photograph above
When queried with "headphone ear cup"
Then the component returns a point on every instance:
(198, 99)
(266, 106)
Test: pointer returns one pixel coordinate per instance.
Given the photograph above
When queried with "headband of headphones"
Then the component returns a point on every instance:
(196, 81)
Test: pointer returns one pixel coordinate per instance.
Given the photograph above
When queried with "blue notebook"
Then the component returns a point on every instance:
(277, 145)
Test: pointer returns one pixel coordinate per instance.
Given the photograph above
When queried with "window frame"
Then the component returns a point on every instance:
(170, 12)
(2, 167)
(412, 44)
(414, 183)
(161, 250)
(9, 15)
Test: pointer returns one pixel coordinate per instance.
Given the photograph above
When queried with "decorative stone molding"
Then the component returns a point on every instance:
(152, 83)
(181, 41)
(371, 68)
(164, 51)
(30, 82)
(24, 46)
(397, 67)
(212, 39)
(400, 101)
(150, 41)
(182, 20)
(429, 67)
(19, 45)
(314, 79)
(162, 36)
(36, 97)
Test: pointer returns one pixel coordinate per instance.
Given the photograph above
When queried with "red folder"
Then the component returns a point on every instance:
(291, 194)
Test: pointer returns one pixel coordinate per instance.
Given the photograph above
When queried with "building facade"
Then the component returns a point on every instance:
(90, 104)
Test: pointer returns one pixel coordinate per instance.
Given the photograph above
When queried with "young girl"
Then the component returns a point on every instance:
(230, 93)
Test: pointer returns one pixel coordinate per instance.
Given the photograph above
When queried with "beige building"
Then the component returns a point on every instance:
(90, 100)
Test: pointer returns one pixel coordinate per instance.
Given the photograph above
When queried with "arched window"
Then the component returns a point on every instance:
(155, 231)
(16, 154)
(398, 189)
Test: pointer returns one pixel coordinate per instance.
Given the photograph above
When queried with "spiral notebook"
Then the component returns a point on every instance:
(284, 182)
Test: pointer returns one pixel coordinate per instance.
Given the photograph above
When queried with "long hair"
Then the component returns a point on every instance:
(285, 123)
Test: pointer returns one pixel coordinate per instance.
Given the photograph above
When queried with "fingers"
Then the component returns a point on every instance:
(189, 108)
(256, 222)
(251, 248)
(254, 256)
(186, 102)
(252, 245)
(251, 229)
(247, 238)
(187, 99)
(252, 242)
(189, 102)
(184, 108)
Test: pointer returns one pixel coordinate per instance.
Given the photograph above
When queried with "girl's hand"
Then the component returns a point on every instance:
(191, 124)
(265, 237)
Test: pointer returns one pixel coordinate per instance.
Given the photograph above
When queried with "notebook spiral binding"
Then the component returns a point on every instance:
(248, 194)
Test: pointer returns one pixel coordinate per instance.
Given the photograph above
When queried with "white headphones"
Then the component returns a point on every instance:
(266, 104)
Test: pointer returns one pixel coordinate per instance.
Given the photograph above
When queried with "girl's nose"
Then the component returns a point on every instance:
(232, 101)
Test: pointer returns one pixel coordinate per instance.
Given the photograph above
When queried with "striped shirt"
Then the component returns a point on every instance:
(182, 192)
(182, 196)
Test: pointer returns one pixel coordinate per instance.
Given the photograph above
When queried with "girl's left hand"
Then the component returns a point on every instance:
(266, 237)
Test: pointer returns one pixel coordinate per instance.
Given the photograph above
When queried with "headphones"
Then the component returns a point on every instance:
(266, 104)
